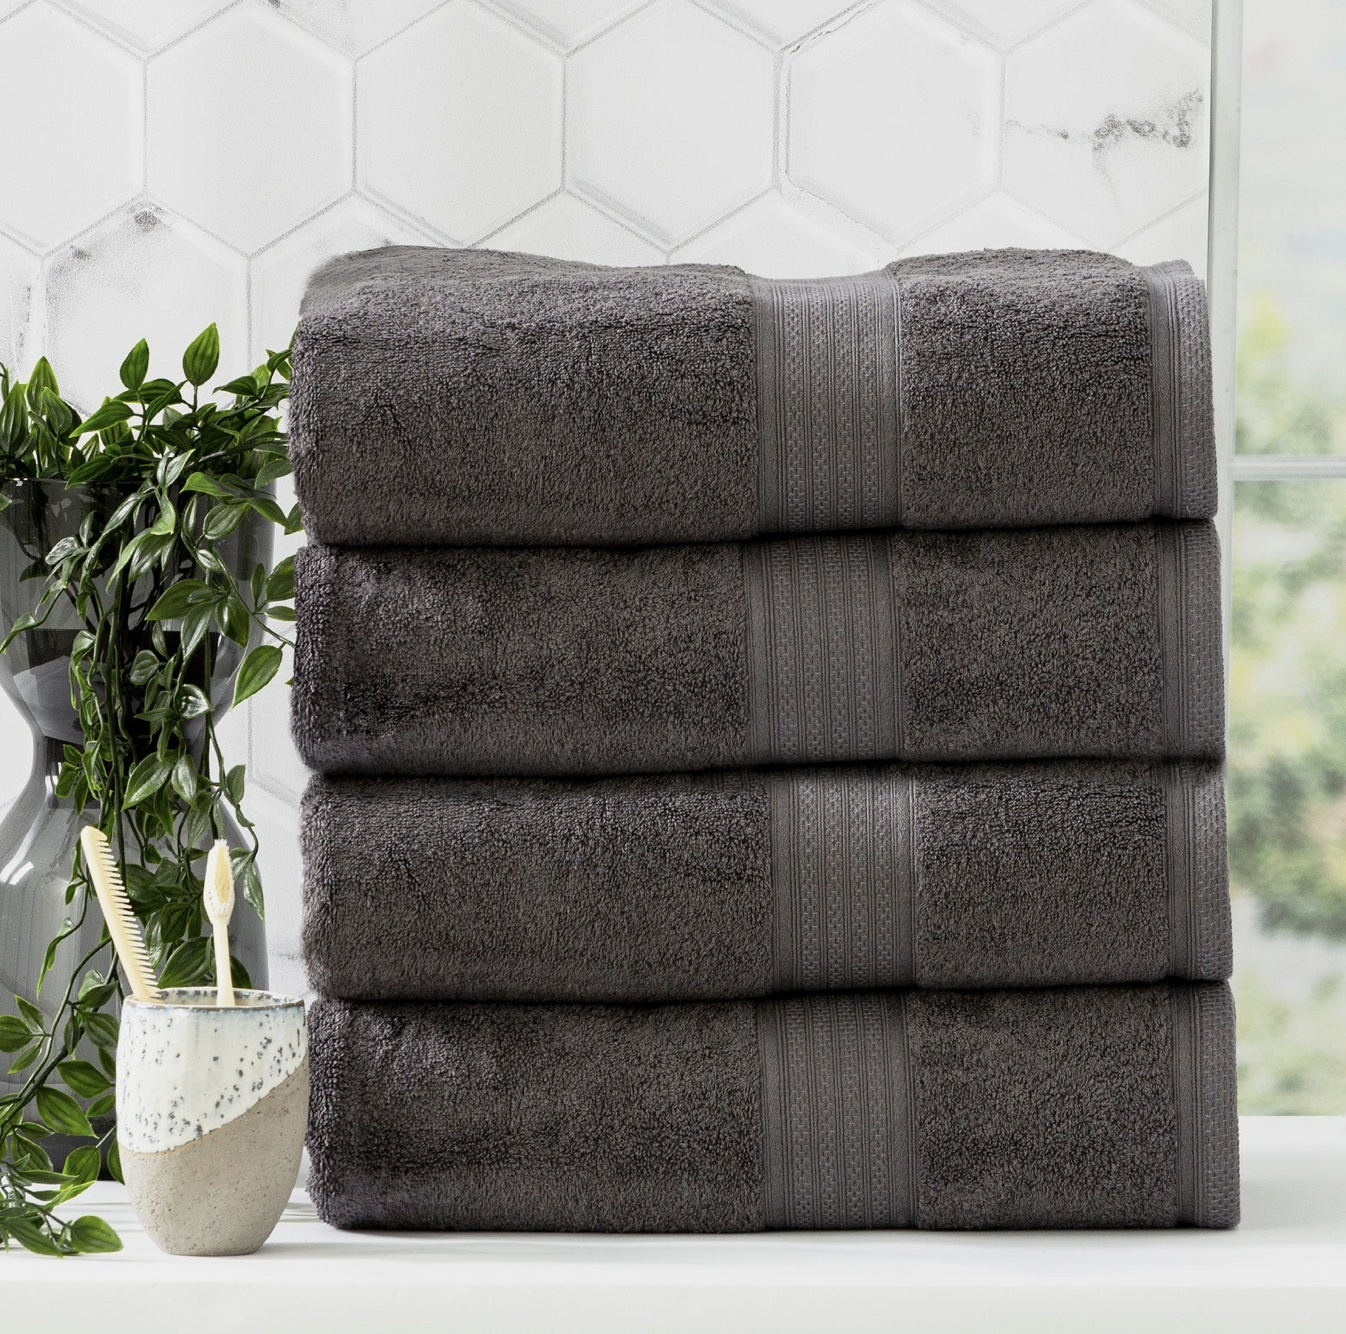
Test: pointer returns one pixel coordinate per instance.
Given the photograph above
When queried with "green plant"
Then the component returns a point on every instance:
(180, 470)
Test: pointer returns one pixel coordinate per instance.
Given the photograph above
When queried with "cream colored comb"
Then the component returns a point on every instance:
(121, 921)
(218, 899)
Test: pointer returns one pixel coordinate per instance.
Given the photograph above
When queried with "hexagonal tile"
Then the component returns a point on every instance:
(893, 118)
(354, 26)
(773, 239)
(670, 119)
(1006, 22)
(249, 127)
(1194, 15)
(460, 121)
(281, 271)
(1181, 235)
(568, 228)
(20, 273)
(568, 22)
(148, 24)
(784, 21)
(1105, 120)
(991, 224)
(140, 274)
(74, 100)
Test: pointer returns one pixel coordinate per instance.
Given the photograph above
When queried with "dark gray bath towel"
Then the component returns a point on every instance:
(709, 886)
(1077, 1107)
(1042, 643)
(465, 396)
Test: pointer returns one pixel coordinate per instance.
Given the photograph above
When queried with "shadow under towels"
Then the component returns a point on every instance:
(709, 886)
(1060, 642)
(474, 397)
(1073, 1107)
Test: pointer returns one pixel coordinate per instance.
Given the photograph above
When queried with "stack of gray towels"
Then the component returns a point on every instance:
(768, 746)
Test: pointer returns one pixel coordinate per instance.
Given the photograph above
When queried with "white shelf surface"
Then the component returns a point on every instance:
(1284, 1269)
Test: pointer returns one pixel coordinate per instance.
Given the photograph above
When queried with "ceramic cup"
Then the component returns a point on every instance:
(211, 1108)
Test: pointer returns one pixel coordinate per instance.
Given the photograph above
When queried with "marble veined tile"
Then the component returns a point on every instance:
(1006, 22)
(20, 273)
(70, 125)
(141, 273)
(1181, 235)
(893, 117)
(460, 121)
(1194, 15)
(281, 271)
(773, 238)
(568, 228)
(670, 119)
(249, 127)
(1106, 120)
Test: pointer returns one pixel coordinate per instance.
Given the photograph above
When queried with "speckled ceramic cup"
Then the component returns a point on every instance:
(211, 1108)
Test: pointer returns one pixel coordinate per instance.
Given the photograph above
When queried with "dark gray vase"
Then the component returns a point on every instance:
(38, 835)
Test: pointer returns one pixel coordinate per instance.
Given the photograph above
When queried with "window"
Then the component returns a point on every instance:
(1287, 759)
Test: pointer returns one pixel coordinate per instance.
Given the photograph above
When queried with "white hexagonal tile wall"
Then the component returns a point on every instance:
(1006, 21)
(70, 125)
(784, 21)
(354, 26)
(140, 274)
(1194, 15)
(991, 224)
(148, 24)
(773, 239)
(1105, 120)
(568, 228)
(20, 273)
(892, 118)
(670, 119)
(249, 127)
(460, 121)
(1181, 235)
(281, 271)
(568, 22)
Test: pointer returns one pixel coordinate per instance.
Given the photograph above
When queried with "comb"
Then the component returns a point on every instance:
(121, 921)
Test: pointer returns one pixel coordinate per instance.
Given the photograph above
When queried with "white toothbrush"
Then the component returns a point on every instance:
(218, 900)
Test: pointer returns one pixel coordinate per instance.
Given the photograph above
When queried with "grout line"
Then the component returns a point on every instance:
(383, 41)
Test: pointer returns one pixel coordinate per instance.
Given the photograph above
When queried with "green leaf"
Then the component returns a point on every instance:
(184, 778)
(30, 1012)
(104, 1104)
(257, 585)
(146, 778)
(167, 520)
(143, 667)
(100, 419)
(84, 1164)
(175, 600)
(136, 365)
(92, 1236)
(83, 1077)
(194, 626)
(25, 1058)
(206, 485)
(13, 418)
(280, 586)
(114, 1162)
(14, 1033)
(223, 519)
(103, 1029)
(31, 1237)
(257, 669)
(244, 387)
(202, 356)
(62, 1113)
(233, 783)
(42, 377)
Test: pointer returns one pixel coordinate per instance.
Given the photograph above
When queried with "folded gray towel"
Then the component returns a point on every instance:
(465, 396)
(704, 887)
(1076, 1107)
(568, 661)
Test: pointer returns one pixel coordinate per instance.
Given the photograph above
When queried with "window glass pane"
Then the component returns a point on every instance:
(1287, 794)
(1292, 229)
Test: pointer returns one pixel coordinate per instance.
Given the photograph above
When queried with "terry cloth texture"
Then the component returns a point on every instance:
(465, 396)
(1072, 1107)
(708, 886)
(1096, 641)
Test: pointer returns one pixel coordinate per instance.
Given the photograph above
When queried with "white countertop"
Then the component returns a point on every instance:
(1284, 1269)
